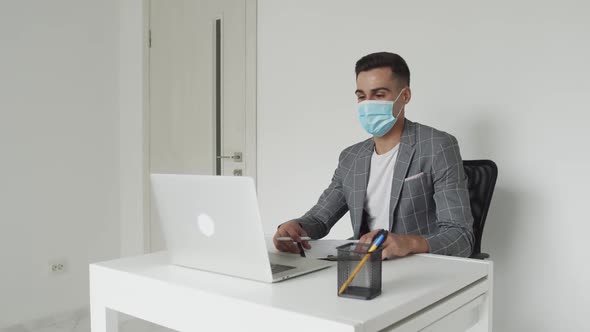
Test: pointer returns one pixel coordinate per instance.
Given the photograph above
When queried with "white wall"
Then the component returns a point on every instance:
(59, 151)
(509, 79)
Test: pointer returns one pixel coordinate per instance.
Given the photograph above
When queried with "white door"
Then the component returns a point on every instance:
(202, 90)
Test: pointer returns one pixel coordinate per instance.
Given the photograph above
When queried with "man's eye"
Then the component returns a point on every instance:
(361, 97)
(380, 96)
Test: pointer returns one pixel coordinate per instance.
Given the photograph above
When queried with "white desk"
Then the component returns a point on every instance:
(422, 292)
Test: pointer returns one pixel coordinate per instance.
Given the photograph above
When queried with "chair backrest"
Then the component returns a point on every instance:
(481, 175)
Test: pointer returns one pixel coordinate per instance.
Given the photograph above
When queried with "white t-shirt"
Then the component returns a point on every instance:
(379, 189)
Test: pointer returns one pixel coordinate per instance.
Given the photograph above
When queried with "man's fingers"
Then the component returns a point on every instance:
(387, 253)
(284, 246)
(287, 246)
(276, 242)
(293, 247)
(368, 238)
(364, 239)
(305, 244)
(280, 245)
(392, 248)
(294, 234)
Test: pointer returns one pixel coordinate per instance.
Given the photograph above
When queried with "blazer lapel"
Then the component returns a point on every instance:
(362, 166)
(402, 164)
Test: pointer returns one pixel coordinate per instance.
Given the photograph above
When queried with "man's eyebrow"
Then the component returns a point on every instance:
(373, 90)
(380, 88)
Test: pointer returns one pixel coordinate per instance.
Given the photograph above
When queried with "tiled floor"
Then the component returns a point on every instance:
(80, 322)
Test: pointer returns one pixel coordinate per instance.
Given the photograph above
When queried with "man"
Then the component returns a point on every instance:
(408, 178)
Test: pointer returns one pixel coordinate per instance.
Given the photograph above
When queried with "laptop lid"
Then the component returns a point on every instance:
(212, 223)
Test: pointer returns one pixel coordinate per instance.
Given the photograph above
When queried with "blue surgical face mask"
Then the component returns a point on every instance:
(376, 116)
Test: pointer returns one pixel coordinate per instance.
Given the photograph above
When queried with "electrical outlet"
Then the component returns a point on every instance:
(57, 267)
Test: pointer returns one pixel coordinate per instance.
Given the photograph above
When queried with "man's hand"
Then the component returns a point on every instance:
(397, 245)
(293, 230)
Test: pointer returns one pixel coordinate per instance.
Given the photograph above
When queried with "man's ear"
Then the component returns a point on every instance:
(407, 95)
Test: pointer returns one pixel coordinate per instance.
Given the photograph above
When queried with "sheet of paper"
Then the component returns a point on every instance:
(319, 248)
(323, 248)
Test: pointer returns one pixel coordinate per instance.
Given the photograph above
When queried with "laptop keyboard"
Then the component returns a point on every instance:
(278, 268)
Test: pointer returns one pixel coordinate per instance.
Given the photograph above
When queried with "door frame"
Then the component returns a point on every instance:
(135, 195)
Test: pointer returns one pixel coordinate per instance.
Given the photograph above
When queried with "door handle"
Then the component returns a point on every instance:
(237, 157)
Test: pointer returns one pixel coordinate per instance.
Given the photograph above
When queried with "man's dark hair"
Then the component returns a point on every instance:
(398, 65)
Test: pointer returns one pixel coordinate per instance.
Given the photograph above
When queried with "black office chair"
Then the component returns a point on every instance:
(481, 175)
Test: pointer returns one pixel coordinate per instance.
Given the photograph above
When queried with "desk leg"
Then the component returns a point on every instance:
(484, 323)
(103, 319)
(490, 302)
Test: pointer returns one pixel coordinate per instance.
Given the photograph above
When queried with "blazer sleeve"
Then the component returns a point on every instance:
(453, 210)
(331, 205)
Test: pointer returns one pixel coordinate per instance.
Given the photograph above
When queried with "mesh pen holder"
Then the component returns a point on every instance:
(367, 283)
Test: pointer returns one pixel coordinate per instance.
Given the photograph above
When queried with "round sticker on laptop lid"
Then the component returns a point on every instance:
(206, 224)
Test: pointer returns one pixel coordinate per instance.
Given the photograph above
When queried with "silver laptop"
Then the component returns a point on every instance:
(212, 223)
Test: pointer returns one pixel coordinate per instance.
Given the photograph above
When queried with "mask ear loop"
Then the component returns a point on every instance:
(401, 109)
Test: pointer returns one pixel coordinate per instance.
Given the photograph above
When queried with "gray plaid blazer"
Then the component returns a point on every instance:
(429, 194)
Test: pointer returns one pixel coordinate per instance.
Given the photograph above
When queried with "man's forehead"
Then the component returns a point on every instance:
(375, 78)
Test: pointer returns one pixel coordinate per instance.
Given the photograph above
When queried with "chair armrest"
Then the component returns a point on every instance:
(481, 255)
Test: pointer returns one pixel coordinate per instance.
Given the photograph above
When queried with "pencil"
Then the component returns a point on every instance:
(378, 241)
(356, 270)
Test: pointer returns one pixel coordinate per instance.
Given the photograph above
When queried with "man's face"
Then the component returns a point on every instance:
(379, 84)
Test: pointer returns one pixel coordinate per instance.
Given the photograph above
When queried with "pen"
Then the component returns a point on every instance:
(301, 252)
(303, 238)
(376, 243)
(287, 238)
